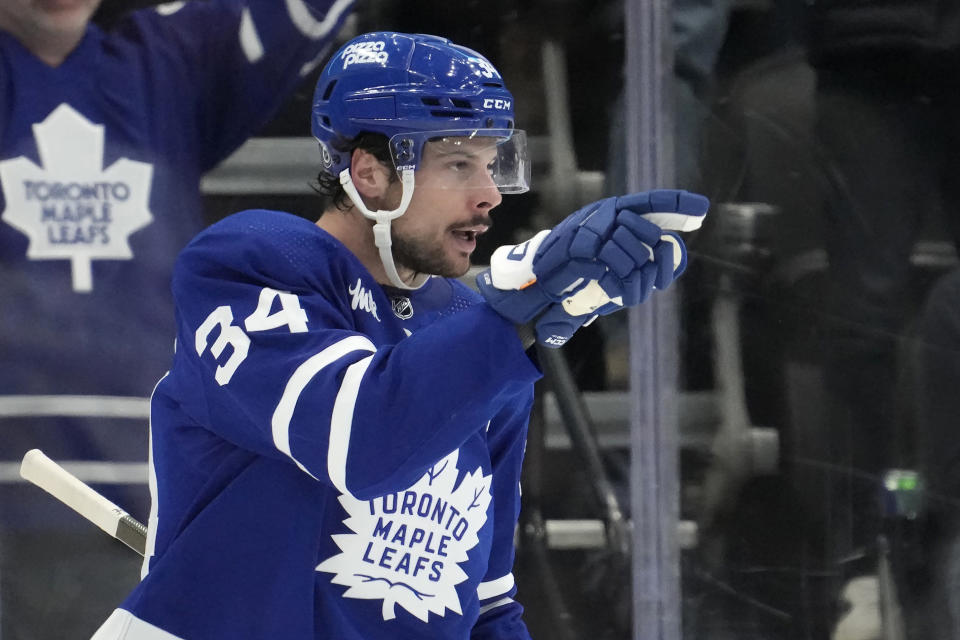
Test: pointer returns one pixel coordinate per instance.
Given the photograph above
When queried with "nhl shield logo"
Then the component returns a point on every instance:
(402, 307)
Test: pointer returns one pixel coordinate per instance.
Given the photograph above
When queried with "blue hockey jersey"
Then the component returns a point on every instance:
(332, 458)
(100, 166)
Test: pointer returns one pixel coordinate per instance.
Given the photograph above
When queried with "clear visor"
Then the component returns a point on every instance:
(465, 159)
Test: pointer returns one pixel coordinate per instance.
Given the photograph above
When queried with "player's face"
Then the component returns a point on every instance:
(450, 208)
(46, 18)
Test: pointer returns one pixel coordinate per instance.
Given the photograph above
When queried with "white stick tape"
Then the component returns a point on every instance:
(64, 486)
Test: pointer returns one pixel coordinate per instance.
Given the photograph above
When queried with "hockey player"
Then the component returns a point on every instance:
(104, 136)
(337, 446)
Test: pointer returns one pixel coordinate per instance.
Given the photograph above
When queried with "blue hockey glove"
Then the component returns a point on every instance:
(606, 256)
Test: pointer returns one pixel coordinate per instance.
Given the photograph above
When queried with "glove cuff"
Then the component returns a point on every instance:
(511, 266)
(520, 307)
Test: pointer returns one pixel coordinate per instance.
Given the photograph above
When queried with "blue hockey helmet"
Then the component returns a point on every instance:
(413, 88)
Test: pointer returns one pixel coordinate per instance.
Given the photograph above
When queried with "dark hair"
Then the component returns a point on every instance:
(328, 185)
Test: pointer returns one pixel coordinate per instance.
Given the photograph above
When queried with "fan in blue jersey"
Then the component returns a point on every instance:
(104, 137)
(337, 446)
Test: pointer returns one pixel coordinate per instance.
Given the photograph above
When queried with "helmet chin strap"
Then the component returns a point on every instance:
(381, 227)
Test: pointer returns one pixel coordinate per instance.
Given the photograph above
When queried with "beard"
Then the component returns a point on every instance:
(425, 256)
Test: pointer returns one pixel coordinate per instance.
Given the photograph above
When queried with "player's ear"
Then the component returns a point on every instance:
(369, 175)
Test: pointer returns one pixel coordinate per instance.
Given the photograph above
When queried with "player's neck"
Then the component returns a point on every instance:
(50, 48)
(356, 234)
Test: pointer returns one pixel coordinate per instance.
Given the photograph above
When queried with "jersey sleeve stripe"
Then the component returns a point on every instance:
(153, 519)
(283, 414)
(494, 588)
(169, 8)
(341, 423)
(493, 605)
(249, 38)
(309, 26)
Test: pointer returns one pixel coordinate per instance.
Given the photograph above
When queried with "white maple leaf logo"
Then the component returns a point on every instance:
(73, 209)
(407, 546)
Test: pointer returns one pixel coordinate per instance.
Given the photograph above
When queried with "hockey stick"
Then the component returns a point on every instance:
(68, 489)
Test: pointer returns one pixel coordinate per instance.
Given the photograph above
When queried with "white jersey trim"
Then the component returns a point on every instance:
(152, 519)
(341, 423)
(249, 38)
(494, 588)
(170, 8)
(493, 605)
(123, 625)
(283, 414)
(303, 19)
